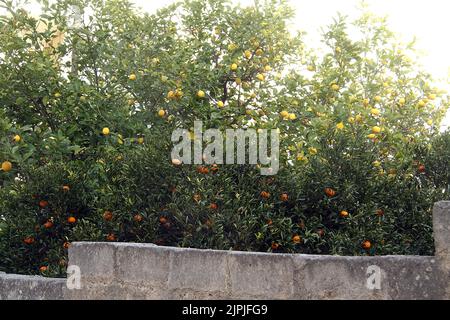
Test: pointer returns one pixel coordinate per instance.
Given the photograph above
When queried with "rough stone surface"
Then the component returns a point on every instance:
(145, 271)
(18, 287)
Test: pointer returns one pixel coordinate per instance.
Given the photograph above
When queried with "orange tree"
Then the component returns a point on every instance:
(87, 110)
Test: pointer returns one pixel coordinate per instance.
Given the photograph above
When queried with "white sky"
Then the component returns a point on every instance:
(428, 21)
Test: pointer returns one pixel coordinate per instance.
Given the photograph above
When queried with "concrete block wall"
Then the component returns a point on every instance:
(146, 271)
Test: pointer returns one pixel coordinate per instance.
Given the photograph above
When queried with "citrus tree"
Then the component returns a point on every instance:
(90, 92)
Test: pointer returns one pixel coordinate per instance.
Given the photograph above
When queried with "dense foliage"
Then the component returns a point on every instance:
(87, 111)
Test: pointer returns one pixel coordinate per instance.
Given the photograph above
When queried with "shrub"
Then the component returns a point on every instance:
(88, 110)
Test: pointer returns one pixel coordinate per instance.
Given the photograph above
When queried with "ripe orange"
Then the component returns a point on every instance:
(138, 217)
(296, 239)
(48, 224)
(66, 245)
(71, 220)
(214, 168)
(197, 197)
(43, 204)
(284, 197)
(275, 246)
(213, 206)
(269, 222)
(366, 245)
(111, 237)
(66, 188)
(162, 220)
(330, 192)
(29, 240)
(422, 168)
(107, 215)
(203, 170)
(265, 194)
(343, 214)
(43, 269)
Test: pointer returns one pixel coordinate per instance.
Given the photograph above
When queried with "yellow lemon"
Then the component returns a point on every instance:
(284, 114)
(351, 120)
(6, 166)
(201, 94)
(335, 87)
(375, 112)
(402, 101)
(267, 68)
(378, 98)
(105, 131)
(340, 126)
(430, 122)
(140, 140)
(311, 68)
(161, 113)
(260, 77)
(17, 138)
(371, 136)
(248, 54)
(232, 47)
(57, 95)
(220, 104)
(132, 77)
(238, 81)
(234, 67)
(376, 129)
(312, 151)
(376, 164)
(259, 52)
(171, 95)
(432, 96)
(292, 116)
(366, 102)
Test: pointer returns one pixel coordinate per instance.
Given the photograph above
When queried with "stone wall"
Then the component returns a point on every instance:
(145, 271)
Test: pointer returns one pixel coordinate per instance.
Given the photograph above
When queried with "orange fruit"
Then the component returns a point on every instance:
(296, 239)
(43, 269)
(111, 237)
(275, 246)
(214, 168)
(43, 203)
(422, 168)
(107, 215)
(29, 240)
(197, 197)
(269, 222)
(138, 217)
(71, 220)
(162, 220)
(366, 245)
(265, 194)
(48, 224)
(284, 197)
(330, 192)
(66, 245)
(66, 188)
(343, 214)
(213, 206)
